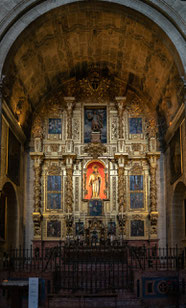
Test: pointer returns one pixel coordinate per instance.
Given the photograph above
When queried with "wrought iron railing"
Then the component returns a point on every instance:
(46, 259)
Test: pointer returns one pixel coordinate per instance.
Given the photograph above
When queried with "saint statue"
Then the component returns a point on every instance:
(95, 182)
(96, 119)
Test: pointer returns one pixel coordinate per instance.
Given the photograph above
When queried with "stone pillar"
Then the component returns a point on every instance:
(152, 159)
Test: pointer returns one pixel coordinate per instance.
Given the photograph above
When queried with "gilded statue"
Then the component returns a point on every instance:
(95, 182)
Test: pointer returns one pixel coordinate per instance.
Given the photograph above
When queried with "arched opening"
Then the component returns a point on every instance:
(179, 215)
(8, 216)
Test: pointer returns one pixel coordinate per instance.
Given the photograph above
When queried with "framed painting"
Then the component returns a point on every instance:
(54, 126)
(135, 126)
(176, 156)
(54, 183)
(53, 228)
(14, 154)
(95, 121)
(112, 228)
(79, 228)
(95, 207)
(136, 200)
(136, 182)
(137, 227)
(53, 201)
(95, 181)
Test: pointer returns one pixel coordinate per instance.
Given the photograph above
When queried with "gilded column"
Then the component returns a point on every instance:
(37, 156)
(69, 158)
(152, 158)
(38, 159)
(122, 216)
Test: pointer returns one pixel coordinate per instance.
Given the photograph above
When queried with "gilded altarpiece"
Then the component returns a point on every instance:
(95, 163)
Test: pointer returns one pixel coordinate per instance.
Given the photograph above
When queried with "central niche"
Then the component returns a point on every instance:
(95, 183)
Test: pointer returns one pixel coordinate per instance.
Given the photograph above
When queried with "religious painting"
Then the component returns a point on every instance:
(135, 125)
(95, 121)
(136, 200)
(14, 153)
(95, 207)
(54, 126)
(136, 182)
(79, 228)
(53, 201)
(53, 228)
(95, 181)
(176, 156)
(137, 228)
(112, 228)
(54, 183)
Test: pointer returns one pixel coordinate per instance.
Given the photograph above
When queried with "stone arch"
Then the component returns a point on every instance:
(21, 16)
(178, 215)
(9, 220)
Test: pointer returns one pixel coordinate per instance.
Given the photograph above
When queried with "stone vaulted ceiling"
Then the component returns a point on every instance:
(67, 41)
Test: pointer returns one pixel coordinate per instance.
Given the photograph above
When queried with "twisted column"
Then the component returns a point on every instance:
(38, 159)
(69, 190)
(152, 159)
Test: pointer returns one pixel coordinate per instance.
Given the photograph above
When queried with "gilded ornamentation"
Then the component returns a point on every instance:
(137, 217)
(37, 183)
(70, 102)
(153, 187)
(134, 106)
(54, 169)
(53, 217)
(95, 94)
(121, 189)
(136, 169)
(114, 128)
(154, 222)
(114, 193)
(151, 128)
(69, 223)
(76, 129)
(136, 147)
(37, 224)
(120, 105)
(122, 221)
(95, 149)
(69, 190)
(76, 193)
(54, 147)
(37, 127)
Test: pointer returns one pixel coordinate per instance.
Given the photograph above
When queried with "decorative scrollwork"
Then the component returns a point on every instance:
(95, 149)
